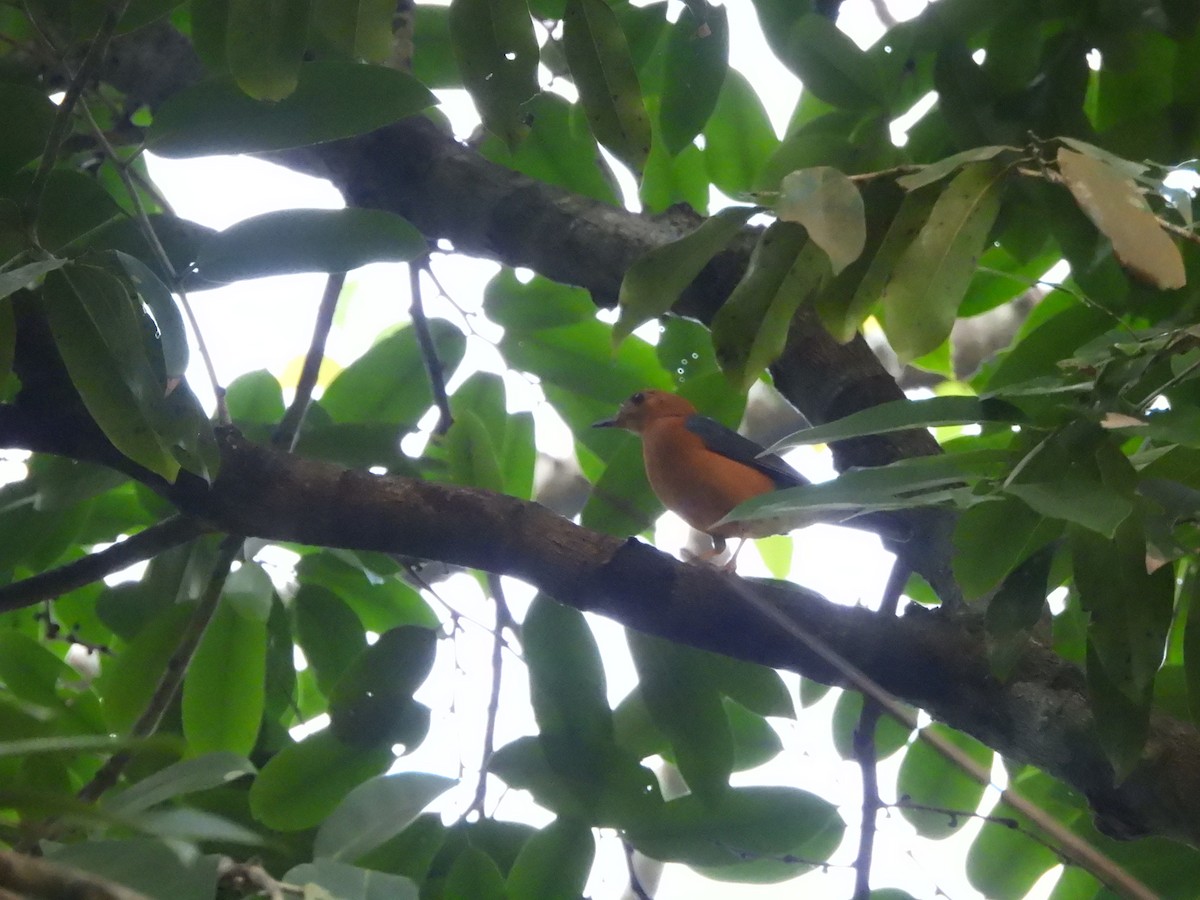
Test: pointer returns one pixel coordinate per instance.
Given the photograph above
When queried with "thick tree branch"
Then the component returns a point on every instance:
(931, 660)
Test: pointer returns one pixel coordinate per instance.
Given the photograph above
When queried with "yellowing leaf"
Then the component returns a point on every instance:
(828, 204)
(1116, 206)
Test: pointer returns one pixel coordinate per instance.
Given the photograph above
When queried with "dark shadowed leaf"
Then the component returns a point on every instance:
(603, 71)
(308, 240)
(554, 863)
(264, 45)
(696, 63)
(303, 783)
(333, 100)
(497, 55)
(656, 279)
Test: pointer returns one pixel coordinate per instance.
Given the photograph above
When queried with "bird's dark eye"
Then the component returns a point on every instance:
(637, 399)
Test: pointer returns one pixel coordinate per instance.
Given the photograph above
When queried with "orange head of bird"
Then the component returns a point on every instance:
(646, 407)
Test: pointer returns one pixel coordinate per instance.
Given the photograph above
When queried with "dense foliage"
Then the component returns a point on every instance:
(1052, 535)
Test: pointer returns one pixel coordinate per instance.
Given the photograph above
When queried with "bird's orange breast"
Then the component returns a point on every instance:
(695, 483)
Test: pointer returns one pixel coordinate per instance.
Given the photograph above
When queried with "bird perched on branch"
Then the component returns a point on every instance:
(700, 469)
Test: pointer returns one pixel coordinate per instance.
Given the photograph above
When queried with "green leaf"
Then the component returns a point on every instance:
(327, 878)
(308, 240)
(388, 383)
(303, 783)
(375, 812)
(567, 686)
(73, 207)
(1190, 591)
(264, 45)
(333, 100)
(1116, 206)
(738, 138)
(607, 788)
(371, 704)
(361, 29)
(172, 334)
(927, 778)
(1076, 498)
(696, 63)
(556, 150)
(98, 331)
(434, 63)
(921, 297)
(910, 218)
(128, 682)
(991, 539)
(1122, 712)
(187, 776)
(908, 483)
(152, 868)
(23, 276)
(30, 670)
(1129, 609)
(901, 415)
(830, 63)
(223, 690)
(745, 834)
(830, 208)
(578, 358)
(29, 117)
(555, 863)
(497, 55)
(1016, 610)
(890, 734)
(255, 398)
(750, 329)
(656, 279)
(471, 454)
(755, 742)
(678, 687)
(943, 167)
(328, 632)
(603, 72)
(474, 876)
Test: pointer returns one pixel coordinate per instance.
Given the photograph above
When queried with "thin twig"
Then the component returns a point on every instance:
(288, 432)
(172, 677)
(866, 753)
(1003, 821)
(146, 543)
(62, 121)
(1070, 845)
(503, 620)
(433, 365)
(884, 14)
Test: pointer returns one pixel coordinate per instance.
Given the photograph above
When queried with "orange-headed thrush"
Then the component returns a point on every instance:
(699, 469)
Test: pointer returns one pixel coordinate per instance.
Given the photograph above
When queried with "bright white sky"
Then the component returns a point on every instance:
(845, 565)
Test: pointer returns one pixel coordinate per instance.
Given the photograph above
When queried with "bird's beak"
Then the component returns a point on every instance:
(606, 423)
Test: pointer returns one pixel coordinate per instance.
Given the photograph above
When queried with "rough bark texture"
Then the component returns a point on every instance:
(932, 660)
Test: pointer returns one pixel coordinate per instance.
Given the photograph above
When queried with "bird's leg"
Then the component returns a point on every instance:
(706, 556)
(731, 566)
